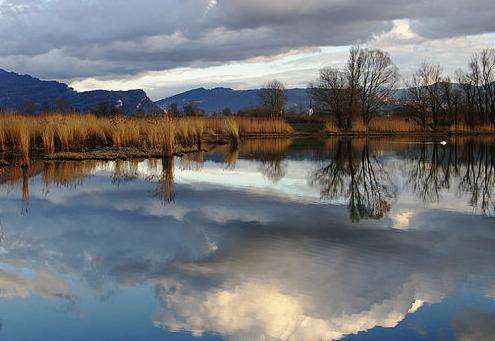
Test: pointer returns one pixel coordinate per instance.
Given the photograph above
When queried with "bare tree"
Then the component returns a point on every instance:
(378, 78)
(61, 105)
(452, 101)
(481, 75)
(29, 107)
(468, 97)
(424, 96)
(361, 88)
(329, 95)
(173, 110)
(354, 71)
(273, 98)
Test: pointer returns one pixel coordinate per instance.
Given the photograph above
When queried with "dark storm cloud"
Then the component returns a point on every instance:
(65, 39)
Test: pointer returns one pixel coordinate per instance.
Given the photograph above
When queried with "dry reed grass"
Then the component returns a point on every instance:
(73, 132)
(399, 125)
(379, 125)
(463, 128)
(394, 125)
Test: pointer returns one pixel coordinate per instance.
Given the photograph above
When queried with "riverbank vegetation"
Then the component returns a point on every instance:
(367, 95)
(405, 126)
(362, 96)
(75, 132)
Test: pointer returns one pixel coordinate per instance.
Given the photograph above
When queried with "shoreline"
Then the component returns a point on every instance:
(84, 137)
(106, 153)
(406, 134)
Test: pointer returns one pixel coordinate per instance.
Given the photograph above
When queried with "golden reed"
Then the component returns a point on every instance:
(73, 132)
(399, 125)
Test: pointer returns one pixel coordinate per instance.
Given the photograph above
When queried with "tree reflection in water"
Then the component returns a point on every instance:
(356, 173)
(465, 163)
(431, 171)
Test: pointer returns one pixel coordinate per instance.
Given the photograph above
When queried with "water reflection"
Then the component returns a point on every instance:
(354, 171)
(240, 253)
(166, 187)
(269, 153)
(359, 172)
(124, 171)
(466, 164)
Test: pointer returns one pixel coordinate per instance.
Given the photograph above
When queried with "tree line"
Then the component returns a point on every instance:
(367, 86)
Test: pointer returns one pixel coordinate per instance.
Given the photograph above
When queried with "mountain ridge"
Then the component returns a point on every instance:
(219, 98)
(18, 92)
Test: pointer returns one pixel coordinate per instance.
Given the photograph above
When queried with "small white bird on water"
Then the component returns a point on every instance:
(443, 143)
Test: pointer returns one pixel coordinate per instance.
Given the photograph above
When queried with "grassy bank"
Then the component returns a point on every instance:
(75, 136)
(402, 126)
(56, 133)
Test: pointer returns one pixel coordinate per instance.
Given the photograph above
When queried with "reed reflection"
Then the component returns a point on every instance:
(66, 173)
(25, 190)
(166, 185)
(194, 161)
(11, 177)
(270, 153)
(125, 171)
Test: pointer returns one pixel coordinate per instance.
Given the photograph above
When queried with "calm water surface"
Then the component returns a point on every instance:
(288, 239)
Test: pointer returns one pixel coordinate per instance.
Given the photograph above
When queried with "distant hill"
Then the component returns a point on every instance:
(217, 99)
(21, 92)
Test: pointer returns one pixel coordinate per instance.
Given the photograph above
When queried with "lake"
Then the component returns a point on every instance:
(354, 239)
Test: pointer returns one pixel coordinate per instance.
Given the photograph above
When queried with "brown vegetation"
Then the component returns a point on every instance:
(75, 132)
(400, 125)
(354, 96)
(380, 125)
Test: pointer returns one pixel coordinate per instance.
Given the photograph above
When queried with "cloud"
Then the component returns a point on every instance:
(78, 39)
(14, 285)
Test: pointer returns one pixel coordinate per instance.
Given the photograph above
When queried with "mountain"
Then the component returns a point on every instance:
(217, 99)
(26, 93)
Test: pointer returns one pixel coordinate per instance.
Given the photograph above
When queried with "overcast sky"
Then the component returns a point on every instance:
(166, 46)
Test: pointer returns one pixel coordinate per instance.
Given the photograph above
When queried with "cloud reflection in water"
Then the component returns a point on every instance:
(242, 255)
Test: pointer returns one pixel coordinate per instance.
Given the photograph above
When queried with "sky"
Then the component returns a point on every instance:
(168, 46)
